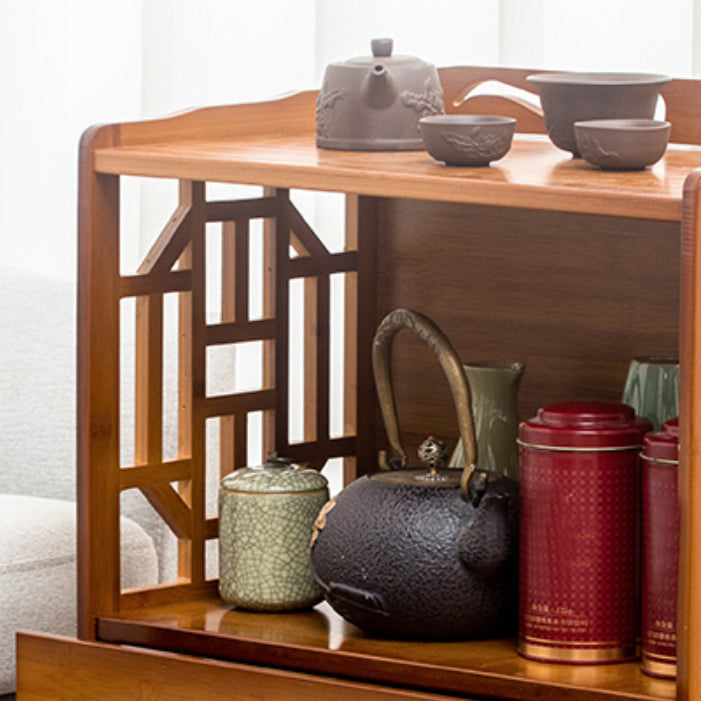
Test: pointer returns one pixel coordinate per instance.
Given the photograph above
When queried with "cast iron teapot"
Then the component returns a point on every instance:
(426, 553)
(374, 103)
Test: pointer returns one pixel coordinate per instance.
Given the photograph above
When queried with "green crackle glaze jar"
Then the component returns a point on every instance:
(266, 519)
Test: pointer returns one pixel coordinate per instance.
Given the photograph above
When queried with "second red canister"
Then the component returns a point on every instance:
(579, 559)
(660, 551)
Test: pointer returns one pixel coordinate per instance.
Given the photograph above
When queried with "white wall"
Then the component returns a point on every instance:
(619, 35)
(599, 35)
(209, 52)
(444, 32)
(64, 65)
(71, 63)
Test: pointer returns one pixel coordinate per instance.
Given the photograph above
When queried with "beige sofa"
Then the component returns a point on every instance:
(37, 470)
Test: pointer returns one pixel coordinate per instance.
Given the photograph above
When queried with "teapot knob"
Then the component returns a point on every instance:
(433, 453)
(381, 47)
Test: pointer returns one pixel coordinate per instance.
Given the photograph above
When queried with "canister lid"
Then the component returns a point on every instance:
(277, 476)
(587, 424)
(663, 444)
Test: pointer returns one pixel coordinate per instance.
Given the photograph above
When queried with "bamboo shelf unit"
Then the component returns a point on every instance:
(539, 258)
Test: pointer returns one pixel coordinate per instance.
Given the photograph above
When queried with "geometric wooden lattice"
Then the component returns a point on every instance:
(176, 263)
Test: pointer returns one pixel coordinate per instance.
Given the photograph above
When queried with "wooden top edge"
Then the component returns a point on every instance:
(294, 110)
(536, 178)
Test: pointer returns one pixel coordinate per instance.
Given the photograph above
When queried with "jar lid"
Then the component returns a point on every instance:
(278, 476)
(663, 445)
(585, 424)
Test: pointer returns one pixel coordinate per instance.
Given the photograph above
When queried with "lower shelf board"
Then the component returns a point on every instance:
(50, 667)
(320, 642)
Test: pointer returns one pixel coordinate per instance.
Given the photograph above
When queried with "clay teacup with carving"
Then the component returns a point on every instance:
(622, 144)
(467, 139)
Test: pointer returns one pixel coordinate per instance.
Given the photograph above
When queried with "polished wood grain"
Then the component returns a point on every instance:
(320, 641)
(533, 174)
(50, 668)
(574, 297)
(97, 415)
(359, 411)
(689, 598)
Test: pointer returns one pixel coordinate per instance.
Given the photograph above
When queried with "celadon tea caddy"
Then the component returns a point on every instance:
(374, 103)
(266, 519)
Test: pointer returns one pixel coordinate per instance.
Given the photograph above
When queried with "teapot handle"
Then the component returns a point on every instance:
(452, 367)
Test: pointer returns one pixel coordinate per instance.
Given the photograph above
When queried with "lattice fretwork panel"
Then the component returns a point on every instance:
(176, 265)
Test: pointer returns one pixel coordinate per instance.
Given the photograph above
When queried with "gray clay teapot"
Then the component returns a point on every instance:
(374, 103)
(423, 553)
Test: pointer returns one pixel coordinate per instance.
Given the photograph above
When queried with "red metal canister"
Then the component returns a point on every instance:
(660, 557)
(579, 560)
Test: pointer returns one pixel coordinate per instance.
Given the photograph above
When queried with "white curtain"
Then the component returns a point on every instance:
(66, 64)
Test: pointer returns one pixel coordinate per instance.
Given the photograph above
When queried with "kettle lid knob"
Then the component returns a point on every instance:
(381, 47)
(433, 453)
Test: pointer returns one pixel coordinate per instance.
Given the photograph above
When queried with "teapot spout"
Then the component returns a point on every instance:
(379, 89)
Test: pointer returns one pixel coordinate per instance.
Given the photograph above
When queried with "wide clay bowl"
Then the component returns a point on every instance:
(622, 144)
(467, 139)
(567, 98)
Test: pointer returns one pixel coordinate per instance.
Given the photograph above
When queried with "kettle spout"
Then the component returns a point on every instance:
(379, 89)
(489, 541)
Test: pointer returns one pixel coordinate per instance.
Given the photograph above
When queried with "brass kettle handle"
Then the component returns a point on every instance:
(452, 367)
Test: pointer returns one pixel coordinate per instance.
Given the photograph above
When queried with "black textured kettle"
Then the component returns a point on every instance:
(426, 553)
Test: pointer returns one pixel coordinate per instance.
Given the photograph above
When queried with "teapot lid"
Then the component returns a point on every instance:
(278, 475)
(382, 52)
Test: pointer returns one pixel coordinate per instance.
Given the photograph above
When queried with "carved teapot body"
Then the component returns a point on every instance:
(374, 103)
(416, 553)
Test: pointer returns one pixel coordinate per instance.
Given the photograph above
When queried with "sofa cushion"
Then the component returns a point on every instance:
(38, 570)
(38, 400)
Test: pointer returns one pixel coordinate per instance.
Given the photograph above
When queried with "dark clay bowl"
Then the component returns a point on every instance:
(622, 144)
(567, 98)
(467, 139)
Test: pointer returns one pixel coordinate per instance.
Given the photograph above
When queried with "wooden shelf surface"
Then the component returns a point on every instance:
(319, 641)
(274, 144)
(533, 174)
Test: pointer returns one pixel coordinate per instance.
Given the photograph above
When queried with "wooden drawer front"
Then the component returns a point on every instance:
(51, 667)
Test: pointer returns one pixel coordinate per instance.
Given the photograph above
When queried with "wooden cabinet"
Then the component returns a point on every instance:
(538, 258)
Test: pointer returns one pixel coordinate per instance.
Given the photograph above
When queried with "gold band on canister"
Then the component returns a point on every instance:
(659, 665)
(661, 461)
(577, 653)
(579, 449)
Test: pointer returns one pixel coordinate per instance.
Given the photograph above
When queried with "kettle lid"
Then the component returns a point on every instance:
(277, 475)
